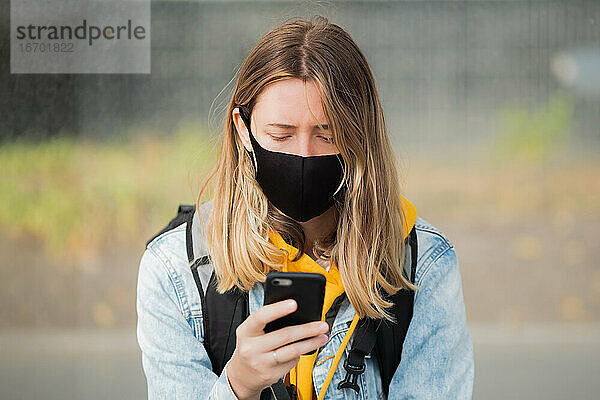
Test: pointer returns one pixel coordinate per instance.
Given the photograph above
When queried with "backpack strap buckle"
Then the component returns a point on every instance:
(352, 373)
(363, 343)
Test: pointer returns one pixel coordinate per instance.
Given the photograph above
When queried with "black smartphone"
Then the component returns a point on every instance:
(306, 288)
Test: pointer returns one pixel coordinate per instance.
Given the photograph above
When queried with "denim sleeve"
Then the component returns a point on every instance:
(437, 355)
(174, 361)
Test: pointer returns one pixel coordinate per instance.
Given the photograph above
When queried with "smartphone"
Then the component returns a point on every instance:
(306, 288)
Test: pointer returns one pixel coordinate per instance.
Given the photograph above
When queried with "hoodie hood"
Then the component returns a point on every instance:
(410, 214)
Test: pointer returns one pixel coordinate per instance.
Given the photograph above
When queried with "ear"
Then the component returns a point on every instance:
(241, 129)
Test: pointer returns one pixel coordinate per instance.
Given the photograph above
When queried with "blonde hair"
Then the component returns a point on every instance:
(367, 244)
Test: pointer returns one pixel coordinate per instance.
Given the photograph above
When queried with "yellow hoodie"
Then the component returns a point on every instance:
(301, 374)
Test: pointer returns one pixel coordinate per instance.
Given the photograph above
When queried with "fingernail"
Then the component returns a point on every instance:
(291, 304)
(324, 325)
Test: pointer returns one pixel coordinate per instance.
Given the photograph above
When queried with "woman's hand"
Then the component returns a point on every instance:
(252, 366)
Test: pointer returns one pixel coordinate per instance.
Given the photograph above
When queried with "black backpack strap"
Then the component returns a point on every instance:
(390, 337)
(363, 343)
(221, 313)
(387, 338)
(189, 243)
(225, 313)
(183, 213)
(414, 247)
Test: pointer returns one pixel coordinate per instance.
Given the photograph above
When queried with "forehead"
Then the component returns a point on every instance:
(291, 101)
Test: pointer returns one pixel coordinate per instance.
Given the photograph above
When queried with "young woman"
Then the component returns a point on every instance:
(306, 180)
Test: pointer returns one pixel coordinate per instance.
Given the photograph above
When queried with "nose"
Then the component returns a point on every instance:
(304, 147)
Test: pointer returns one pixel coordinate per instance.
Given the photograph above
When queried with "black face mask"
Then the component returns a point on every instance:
(300, 187)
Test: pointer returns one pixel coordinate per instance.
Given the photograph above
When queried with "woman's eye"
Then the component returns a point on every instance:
(326, 139)
(279, 138)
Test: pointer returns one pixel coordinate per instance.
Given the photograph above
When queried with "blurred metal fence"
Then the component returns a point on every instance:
(443, 68)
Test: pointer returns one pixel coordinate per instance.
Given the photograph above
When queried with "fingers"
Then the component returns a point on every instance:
(292, 351)
(289, 334)
(256, 321)
(252, 363)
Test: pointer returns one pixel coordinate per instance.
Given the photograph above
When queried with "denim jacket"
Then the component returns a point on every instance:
(437, 355)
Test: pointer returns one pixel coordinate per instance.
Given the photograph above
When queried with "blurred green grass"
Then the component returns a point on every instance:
(535, 135)
(78, 196)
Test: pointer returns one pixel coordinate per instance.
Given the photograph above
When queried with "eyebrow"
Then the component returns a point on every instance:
(287, 126)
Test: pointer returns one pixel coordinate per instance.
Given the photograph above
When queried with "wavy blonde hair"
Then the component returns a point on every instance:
(367, 244)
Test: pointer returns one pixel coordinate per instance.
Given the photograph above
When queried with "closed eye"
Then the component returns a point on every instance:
(326, 139)
(279, 138)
